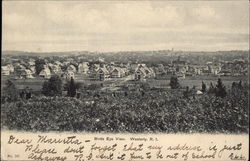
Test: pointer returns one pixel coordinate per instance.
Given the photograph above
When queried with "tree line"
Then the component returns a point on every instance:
(55, 87)
(219, 90)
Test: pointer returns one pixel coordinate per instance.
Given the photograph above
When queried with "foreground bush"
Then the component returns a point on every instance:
(156, 111)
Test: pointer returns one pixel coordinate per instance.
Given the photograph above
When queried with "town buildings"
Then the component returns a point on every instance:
(99, 69)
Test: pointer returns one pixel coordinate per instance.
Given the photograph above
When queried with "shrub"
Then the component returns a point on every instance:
(158, 111)
(9, 92)
(52, 87)
(174, 83)
(220, 89)
(203, 87)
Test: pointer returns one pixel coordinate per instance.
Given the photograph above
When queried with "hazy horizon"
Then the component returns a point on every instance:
(114, 26)
(114, 52)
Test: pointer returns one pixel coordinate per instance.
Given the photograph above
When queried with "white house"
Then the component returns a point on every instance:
(26, 74)
(151, 72)
(33, 69)
(5, 70)
(45, 66)
(83, 67)
(215, 69)
(45, 73)
(102, 74)
(71, 68)
(118, 72)
(96, 66)
(197, 70)
(140, 73)
(55, 68)
(144, 72)
(11, 67)
(110, 68)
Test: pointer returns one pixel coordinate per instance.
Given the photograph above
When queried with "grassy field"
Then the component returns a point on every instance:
(196, 81)
(36, 83)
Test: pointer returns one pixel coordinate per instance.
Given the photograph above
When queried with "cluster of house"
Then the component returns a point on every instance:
(104, 71)
(225, 68)
(68, 70)
(142, 72)
(7, 69)
(18, 70)
(109, 71)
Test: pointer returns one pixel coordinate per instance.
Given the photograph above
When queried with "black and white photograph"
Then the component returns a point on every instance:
(125, 67)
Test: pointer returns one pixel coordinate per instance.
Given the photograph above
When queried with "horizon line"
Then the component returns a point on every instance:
(123, 51)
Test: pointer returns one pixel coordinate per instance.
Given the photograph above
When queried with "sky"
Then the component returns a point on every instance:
(47, 26)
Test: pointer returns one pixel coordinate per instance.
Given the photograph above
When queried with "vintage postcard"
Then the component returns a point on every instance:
(125, 80)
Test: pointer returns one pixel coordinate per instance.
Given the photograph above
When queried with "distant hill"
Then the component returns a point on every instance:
(151, 57)
(155, 57)
(42, 54)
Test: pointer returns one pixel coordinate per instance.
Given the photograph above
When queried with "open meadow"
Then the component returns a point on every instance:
(36, 83)
(197, 81)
